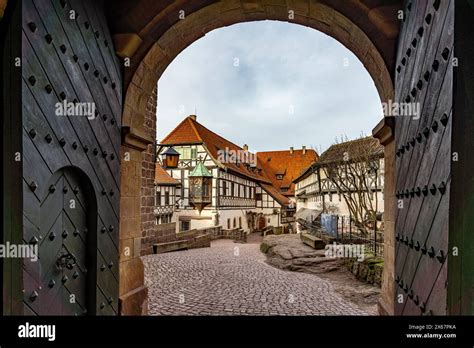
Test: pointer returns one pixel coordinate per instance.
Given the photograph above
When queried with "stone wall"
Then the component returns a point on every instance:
(236, 234)
(158, 234)
(148, 228)
(370, 270)
(197, 238)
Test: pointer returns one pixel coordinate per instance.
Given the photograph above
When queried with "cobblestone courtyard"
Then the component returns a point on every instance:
(233, 279)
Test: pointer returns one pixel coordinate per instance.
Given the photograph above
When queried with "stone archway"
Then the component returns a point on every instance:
(195, 25)
(159, 34)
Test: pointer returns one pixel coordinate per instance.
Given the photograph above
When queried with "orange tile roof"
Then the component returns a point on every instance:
(189, 131)
(291, 163)
(184, 133)
(163, 178)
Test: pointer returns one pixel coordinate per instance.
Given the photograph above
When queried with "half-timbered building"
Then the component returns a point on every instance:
(242, 190)
(317, 188)
(165, 196)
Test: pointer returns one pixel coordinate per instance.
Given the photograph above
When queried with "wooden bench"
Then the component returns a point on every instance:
(312, 241)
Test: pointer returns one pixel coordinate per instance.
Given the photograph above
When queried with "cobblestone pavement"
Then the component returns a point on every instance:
(232, 279)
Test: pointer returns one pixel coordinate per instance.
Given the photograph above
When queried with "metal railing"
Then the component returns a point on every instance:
(372, 237)
(344, 231)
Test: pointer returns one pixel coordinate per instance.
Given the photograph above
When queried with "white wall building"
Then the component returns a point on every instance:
(242, 193)
(315, 191)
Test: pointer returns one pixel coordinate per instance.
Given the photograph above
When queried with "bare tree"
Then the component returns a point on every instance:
(352, 168)
(329, 208)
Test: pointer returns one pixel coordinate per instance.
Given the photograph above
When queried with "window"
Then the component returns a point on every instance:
(232, 189)
(279, 177)
(167, 198)
(224, 188)
(235, 223)
(240, 222)
(158, 199)
(185, 225)
(186, 154)
(258, 196)
(193, 153)
(228, 224)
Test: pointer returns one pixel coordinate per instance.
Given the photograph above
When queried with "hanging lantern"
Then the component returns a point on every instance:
(200, 187)
(170, 158)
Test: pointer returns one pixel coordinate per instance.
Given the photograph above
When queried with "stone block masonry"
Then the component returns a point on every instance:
(162, 233)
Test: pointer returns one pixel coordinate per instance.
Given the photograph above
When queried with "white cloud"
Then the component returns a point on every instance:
(282, 68)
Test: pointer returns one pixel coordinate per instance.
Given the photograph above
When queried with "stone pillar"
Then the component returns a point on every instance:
(384, 131)
(132, 291)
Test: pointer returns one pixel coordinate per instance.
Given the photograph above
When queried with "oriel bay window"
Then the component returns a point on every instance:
(200, 187)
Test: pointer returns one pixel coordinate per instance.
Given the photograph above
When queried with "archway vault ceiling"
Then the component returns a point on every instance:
(150, 19)
(152, 34)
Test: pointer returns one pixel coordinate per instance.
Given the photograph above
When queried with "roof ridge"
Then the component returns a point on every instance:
(179, 126)
(211, 131)
(294, 150)
(367, 138)
(194, 128)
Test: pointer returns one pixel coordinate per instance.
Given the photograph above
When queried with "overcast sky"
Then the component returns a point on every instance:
(270, 85)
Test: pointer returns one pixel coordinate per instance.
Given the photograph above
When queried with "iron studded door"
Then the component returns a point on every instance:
(62, 251)
(68, 59)
(424, 80)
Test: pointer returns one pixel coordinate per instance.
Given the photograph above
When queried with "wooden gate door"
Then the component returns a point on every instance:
(424, 79)
(64, 264)
(262, 223)
(72, 106)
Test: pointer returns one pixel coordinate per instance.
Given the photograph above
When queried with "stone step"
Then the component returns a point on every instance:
(312, 241)
(160, 248)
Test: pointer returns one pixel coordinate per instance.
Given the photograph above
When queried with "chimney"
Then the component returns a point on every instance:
(193, 117)
(245, 147)
(291, 150)
(304, 150)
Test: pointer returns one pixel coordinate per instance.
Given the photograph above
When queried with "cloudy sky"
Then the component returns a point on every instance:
(270, 85)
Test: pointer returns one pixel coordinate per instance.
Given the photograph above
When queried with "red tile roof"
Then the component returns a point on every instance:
(184, 133)
(189, 131)
(291, 163)
(163, 178)
(287, 163)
